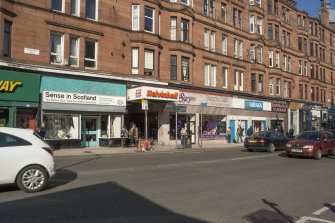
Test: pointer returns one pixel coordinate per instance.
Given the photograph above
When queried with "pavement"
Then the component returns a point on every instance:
(119, 150)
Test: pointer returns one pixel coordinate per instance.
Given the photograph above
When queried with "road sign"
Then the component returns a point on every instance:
(144, 103)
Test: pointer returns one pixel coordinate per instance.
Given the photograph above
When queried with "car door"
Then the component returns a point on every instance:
(282, 140)
(12, 152)
(326, 143)
(275, 139)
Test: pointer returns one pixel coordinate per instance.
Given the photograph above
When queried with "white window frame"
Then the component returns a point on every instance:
(235, 48)
(135, 25)
(271, 58)
(271, 80)
(185, 2)
(206, 39)
(285, 89)
(260, 54)
(252, 24)
(240, 56)
(224, 77)
(173, 28)
(300, 67)
(135, 60)
(252, 54)
(96, 11)
(289, 64)
(206, 74)
(77, 11)
(284, 63)
(259, 25)
(95, 60)
(251, 2)
(224, 44)
(149, 64)
(60, 55)
(278, 86)
(236, 76)
(63, 6)
(77, 51)
(213, 76)
(259, 3)
(213, 41)
(306, 68)
(277, 59)
(151, 18)
(241, 81)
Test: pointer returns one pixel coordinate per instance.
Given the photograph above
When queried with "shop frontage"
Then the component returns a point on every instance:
(145, 107)
(304, 116)
(82, 113)
(19, 99)
(214, 114)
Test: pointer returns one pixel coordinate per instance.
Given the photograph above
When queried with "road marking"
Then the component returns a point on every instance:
(324, 209)
(308, 219)
(250, 157)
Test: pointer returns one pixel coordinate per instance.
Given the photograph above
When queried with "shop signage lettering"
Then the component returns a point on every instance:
(161, 94)
(9, 86)
(279, 107)
(253, 105)
(186, 98)
(76, 98)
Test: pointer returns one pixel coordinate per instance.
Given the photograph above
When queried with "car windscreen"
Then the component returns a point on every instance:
(309, 136)
(261, 134)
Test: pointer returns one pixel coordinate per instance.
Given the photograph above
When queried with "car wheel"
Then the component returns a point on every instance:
(271, 148)
(318, 154)
(250, 150)
(289, 155)
(32, 179)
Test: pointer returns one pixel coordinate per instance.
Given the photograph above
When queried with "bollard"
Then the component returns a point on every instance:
(139, 145)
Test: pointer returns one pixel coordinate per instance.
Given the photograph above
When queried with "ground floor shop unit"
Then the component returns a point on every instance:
(303, 116)
(82, 112)
(19, 99)
(207, 118)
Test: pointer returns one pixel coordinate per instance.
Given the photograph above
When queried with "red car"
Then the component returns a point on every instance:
(312, 144)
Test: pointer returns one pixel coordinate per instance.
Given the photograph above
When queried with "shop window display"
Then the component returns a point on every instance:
(214, 127)
(4, 117)
(61, 126)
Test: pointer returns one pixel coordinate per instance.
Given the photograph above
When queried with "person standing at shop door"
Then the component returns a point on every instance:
(133, 135)
(250, 131)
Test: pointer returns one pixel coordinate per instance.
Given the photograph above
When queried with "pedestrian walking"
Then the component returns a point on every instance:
(228, 135)
(124, 136)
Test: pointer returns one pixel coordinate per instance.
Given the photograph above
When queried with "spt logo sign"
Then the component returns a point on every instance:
(253, 105)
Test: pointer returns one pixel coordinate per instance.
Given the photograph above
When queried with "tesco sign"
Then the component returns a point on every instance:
(253, 105)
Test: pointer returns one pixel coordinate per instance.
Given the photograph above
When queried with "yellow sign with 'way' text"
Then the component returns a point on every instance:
(9, 86)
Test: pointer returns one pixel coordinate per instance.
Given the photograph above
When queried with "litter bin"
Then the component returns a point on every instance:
(188, 142)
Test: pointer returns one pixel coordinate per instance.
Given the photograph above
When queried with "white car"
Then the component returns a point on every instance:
(25, 159)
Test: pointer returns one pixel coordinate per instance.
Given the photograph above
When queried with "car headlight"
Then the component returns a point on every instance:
(288, 145)
(308, 147)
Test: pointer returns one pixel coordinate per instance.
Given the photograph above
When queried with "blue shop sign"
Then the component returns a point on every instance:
(253, 105)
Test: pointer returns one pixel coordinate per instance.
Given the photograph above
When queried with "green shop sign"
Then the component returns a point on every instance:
(19, 86)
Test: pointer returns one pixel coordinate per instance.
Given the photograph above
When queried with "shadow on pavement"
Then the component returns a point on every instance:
(266, 216)
(107, 202)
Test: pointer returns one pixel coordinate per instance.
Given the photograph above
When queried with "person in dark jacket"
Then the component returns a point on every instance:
(250, 131)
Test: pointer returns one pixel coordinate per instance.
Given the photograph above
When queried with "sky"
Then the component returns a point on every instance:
(311, 6)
